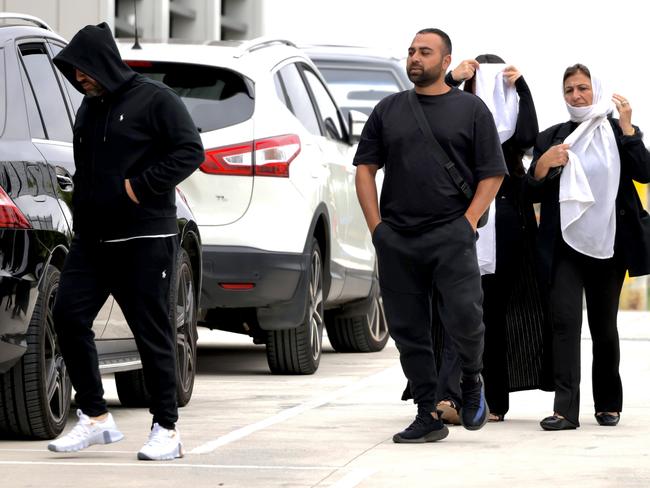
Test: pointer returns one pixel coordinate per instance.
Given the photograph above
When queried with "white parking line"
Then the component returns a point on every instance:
(353, 478)
(178, 465)
(235, 435)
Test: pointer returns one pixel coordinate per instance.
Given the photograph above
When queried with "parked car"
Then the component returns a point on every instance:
(37, 109)
(359, 77)
(286, 250)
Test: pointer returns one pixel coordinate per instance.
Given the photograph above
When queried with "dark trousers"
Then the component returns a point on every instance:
(497, 289)
(411, 267)
(138, 273)
(601, 280)
(450, 372)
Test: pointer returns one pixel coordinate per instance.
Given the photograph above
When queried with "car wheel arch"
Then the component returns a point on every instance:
(320, 229)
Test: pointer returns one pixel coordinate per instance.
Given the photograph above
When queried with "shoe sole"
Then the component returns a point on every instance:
(104, 437)
(557, 429)
(176, 454)
(436, 435)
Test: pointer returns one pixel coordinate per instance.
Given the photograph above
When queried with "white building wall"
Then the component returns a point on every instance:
(158, 20)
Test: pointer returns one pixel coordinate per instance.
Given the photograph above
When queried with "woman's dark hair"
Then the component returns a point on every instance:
(576, 68)
(483, 59)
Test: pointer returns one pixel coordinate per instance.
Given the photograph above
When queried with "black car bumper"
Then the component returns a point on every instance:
(275, 284)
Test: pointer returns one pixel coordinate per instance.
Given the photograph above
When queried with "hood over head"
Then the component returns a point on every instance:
(93, 51)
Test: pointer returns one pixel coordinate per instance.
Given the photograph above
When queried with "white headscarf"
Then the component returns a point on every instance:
(589, 181)
(499, 96)
(502, 100)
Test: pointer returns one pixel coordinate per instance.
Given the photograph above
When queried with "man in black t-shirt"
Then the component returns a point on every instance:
(425, 235)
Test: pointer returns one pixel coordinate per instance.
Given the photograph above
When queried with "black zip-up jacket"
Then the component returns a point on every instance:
(137, 130)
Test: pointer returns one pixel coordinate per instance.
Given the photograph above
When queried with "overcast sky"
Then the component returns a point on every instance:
(541, 38)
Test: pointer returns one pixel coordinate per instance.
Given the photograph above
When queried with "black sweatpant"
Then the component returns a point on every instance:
(411, 267)
(138, 273)
(601, 280)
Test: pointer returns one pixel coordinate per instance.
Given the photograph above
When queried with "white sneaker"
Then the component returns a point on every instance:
(163, 444)
(86, 433)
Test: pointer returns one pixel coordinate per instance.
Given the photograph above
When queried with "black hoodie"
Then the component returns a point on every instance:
(138, 129)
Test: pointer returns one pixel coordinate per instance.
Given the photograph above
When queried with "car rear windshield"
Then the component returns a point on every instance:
(359, 89)
(214, 97)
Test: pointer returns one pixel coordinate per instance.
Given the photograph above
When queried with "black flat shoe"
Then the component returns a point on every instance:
(607, 419)
(557, 423)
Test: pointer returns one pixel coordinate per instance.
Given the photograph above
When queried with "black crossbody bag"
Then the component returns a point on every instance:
(440, 155)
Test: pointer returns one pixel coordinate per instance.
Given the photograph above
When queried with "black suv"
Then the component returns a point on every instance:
(37, 110)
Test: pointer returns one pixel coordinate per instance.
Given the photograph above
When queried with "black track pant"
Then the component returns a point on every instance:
(411, 267)
(138, 273)
(601, 280)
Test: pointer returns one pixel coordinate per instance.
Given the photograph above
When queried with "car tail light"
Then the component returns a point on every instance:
(139, 64)
(274, 155)
(10, 216)
(265, 157)
(237, 286)
(229, 160)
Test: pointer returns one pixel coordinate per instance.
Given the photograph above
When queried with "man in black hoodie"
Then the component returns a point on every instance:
(133, 143)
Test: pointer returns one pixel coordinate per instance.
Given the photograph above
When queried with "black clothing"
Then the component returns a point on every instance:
(138, 130)
(92, 271)
(411, 268)
(417, 192)
(425, 245)
(517, 335)
(632, 221)
(601, 280)
(569, 273)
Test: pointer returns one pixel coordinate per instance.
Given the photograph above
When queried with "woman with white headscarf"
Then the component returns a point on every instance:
(593, 229)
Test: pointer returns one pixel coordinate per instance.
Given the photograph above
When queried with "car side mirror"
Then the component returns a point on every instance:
(356, 121)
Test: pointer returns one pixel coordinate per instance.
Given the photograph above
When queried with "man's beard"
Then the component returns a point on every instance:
(425, 77)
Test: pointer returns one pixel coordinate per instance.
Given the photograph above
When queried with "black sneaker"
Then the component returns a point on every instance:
(423, 429)
(474, 412)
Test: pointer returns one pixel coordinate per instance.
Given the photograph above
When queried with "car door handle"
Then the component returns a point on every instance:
(65, 183)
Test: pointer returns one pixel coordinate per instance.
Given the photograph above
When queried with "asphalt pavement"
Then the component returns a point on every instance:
(247, 428)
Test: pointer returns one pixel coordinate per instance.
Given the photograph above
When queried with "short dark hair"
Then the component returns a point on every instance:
(576, 68)
(443, 35)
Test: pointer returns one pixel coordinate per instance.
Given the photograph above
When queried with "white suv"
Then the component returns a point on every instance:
(285, 246)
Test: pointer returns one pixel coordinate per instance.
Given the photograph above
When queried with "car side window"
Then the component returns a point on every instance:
(279, 90)
(36, 129)
(328, 111)
(75, 95)
(299, 99)
(47, 92)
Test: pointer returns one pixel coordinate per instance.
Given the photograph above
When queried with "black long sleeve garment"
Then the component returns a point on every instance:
(139, 130)
(632, 221)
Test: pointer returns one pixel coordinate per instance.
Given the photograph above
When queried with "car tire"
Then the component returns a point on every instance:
(184, 317)
(130, 385)
(359, 326)
(298, 351)
(35, 393)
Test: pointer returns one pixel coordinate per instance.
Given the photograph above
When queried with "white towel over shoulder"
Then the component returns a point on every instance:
(503, 102)
(589, 181)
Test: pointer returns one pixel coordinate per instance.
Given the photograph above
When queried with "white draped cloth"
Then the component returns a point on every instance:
(502, 100)
(589, 181)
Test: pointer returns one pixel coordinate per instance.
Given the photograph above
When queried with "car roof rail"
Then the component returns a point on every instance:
(27, 18)
(259, 43)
